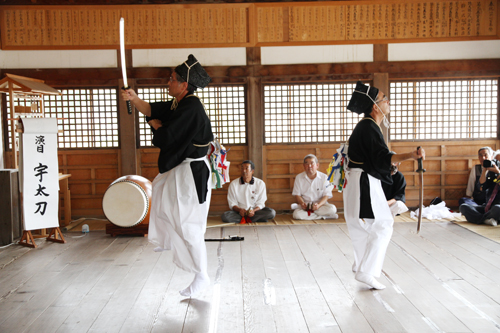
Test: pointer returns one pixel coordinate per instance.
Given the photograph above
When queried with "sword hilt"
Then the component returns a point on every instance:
(420, 164)
(129, 104)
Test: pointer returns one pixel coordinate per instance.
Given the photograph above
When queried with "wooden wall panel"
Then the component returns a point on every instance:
(92, 171)
(246, 24)
(81, 27)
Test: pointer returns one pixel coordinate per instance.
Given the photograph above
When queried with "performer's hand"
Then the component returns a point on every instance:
(303, 205)
(155, 123)
(493, 169)
(251, 213)
(315, 206)
(419, 153)
(242, 212)
(128, 94)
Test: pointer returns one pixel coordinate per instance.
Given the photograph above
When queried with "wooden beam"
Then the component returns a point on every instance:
(276, 73)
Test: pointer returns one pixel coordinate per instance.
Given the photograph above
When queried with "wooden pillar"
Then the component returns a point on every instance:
(2, 149)
(381, 80)
(255, 116)
(127, 127)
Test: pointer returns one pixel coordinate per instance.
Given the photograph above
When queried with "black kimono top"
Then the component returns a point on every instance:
(181, 129)
(368, 151)
(397, 189)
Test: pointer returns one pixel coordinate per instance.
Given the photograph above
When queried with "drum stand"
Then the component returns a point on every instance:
(137, 230)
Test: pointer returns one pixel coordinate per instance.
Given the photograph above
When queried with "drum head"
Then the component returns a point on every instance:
(125, 204)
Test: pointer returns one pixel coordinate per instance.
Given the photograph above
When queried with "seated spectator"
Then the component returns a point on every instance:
(395, 193)
(474, 194)
(489, 212)
(246, 197)
(312, 190)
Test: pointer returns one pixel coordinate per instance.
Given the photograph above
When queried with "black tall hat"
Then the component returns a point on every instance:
(193, 72)
(362, 98)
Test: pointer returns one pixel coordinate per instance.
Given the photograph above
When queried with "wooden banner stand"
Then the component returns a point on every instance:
(27, 239)
(54, 234)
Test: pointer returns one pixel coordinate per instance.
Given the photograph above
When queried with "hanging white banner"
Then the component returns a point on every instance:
(40, 173)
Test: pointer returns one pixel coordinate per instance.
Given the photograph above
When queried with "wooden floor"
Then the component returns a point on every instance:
(290, 278)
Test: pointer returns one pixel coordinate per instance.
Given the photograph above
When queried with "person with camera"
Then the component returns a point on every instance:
(488, 186)
(474, 193)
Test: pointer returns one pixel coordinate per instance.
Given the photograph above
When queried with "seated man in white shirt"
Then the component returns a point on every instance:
(247, 197)
(312, 190)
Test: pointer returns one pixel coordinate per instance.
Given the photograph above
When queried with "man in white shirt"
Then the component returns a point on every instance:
(247, 197)
(312, 190)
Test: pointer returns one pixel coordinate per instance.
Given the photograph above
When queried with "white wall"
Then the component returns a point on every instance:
(224, 56)
(486, 49)
(316, 54)
(59, 59)
(236, 56)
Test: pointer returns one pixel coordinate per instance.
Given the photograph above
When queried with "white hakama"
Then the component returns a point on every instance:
(370, 237)
(178, 221)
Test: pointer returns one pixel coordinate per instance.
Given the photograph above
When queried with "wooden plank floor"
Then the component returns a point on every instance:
(285, 278)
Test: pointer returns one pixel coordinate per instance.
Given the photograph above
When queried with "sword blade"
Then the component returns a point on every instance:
(124, 64)
(122, 52)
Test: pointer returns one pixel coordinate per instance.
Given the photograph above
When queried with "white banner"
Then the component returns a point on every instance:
(40, 173)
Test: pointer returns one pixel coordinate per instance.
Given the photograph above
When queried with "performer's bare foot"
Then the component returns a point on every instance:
(369, 280)
(200, 282)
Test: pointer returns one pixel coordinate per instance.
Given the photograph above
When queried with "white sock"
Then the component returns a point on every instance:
(369, 280)
(200, 282)
(158, 249)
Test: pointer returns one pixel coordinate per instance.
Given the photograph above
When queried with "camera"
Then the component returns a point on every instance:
(487, 163)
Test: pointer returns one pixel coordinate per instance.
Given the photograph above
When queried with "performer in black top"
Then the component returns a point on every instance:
(366, 210)
(182, 189)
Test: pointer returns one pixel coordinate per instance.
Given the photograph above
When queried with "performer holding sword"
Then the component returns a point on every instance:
(182, 190)
(366, 210)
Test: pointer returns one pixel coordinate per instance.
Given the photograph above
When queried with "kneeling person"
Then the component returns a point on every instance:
(312, 190)
(247, 197)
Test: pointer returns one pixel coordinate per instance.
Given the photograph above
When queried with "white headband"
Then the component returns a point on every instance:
(189, 68)
(366, 93)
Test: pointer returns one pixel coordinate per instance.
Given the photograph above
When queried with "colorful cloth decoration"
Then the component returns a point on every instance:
(336, 169)
(219, 164)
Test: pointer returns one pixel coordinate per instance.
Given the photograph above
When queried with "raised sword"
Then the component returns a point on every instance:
(124, 64)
